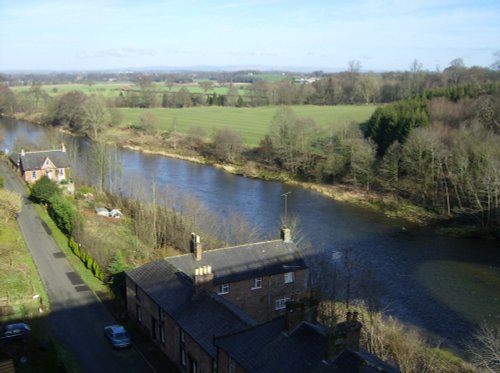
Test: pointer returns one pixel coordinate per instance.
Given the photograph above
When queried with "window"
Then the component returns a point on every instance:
(61, 172)
(194, 365)
(139, 313)
(183, 356)
(182, 338)
(161, 331)
(281, 303)
(223, 289)
(153, 328)
(288, 277)
(137, 292)
(33, 175)
(257, 283)
(232, 366)
(161, 314)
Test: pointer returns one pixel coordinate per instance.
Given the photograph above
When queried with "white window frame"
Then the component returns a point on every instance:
(139, 313)
(289, 277)
(161, 332)
(257, 283)
(280, 303)
(223, 289)
(60, 172)
(183, 355)
(33, 175)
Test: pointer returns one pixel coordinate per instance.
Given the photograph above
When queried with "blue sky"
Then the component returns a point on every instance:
(381, 34)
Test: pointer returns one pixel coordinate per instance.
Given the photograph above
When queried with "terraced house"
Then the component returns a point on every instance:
(184, 302)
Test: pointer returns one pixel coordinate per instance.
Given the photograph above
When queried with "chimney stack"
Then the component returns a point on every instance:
(286, 234)
(344, 335)
(22, 152)
(63, 148)
(298, 311)
(196, 247)
(203, 278)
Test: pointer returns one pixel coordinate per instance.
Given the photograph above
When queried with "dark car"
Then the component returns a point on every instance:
(14, 331)
(117, 336)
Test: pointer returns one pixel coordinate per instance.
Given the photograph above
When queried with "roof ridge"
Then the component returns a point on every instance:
(224, 248)
(241, 245)
(43, 151)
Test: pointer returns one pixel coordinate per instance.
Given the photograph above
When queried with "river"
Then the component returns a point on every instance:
(443, 285)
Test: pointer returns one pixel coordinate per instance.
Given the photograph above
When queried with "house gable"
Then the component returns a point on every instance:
(48, 164)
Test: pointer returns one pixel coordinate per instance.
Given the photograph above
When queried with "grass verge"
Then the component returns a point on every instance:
(62, 241)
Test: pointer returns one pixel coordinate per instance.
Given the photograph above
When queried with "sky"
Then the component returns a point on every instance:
(305, 34)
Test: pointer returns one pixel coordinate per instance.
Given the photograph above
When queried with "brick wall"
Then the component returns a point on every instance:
(172, 345)
(223, 363)
(260, 303)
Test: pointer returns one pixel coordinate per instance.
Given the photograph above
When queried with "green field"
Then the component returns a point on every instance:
(251, 123)
(113, 89)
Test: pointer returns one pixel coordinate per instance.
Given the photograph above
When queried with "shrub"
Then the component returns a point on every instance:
(63, 213)
(43, 189)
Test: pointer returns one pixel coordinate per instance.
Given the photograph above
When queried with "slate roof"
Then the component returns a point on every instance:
(268, 349)
(202, 316)
(32, 161)
(238, 263)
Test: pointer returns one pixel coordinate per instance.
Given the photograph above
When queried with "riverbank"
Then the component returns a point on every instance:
(388, 204)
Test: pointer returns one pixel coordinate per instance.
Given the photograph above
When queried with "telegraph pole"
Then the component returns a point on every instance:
(286, 207)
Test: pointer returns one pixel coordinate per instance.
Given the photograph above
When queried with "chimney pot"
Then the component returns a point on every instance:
(286, 234)
(355, 316)
(348, 316)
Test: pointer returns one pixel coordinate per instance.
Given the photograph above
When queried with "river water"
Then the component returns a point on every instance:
(443, 285)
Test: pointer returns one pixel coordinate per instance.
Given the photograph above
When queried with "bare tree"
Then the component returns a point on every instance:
(485, 348)
(95, 117)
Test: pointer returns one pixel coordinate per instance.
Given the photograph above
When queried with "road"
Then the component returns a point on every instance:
(77, 317)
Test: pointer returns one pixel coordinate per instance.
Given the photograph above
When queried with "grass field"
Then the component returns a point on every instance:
(19, 280)
(113, 89)
(251, 123)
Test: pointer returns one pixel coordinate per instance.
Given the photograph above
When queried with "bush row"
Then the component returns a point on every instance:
(86, 259)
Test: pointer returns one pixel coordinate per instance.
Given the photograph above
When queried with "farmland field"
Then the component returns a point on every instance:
(251, 123)
(113, 89)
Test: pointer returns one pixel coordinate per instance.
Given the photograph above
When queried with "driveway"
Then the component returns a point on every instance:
(77, 316)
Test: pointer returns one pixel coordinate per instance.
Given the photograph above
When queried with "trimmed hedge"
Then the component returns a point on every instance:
(86, 259)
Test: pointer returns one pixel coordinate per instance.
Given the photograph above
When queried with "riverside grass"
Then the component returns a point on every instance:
(251, 123)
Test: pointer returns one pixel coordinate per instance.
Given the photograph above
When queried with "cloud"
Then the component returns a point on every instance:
(118, 52)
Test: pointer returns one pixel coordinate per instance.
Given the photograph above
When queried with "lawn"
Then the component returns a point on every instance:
(252, 123)
(19, 280)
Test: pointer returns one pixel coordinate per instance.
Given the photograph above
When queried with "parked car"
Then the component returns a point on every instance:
(117, 336)
(15, 331)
